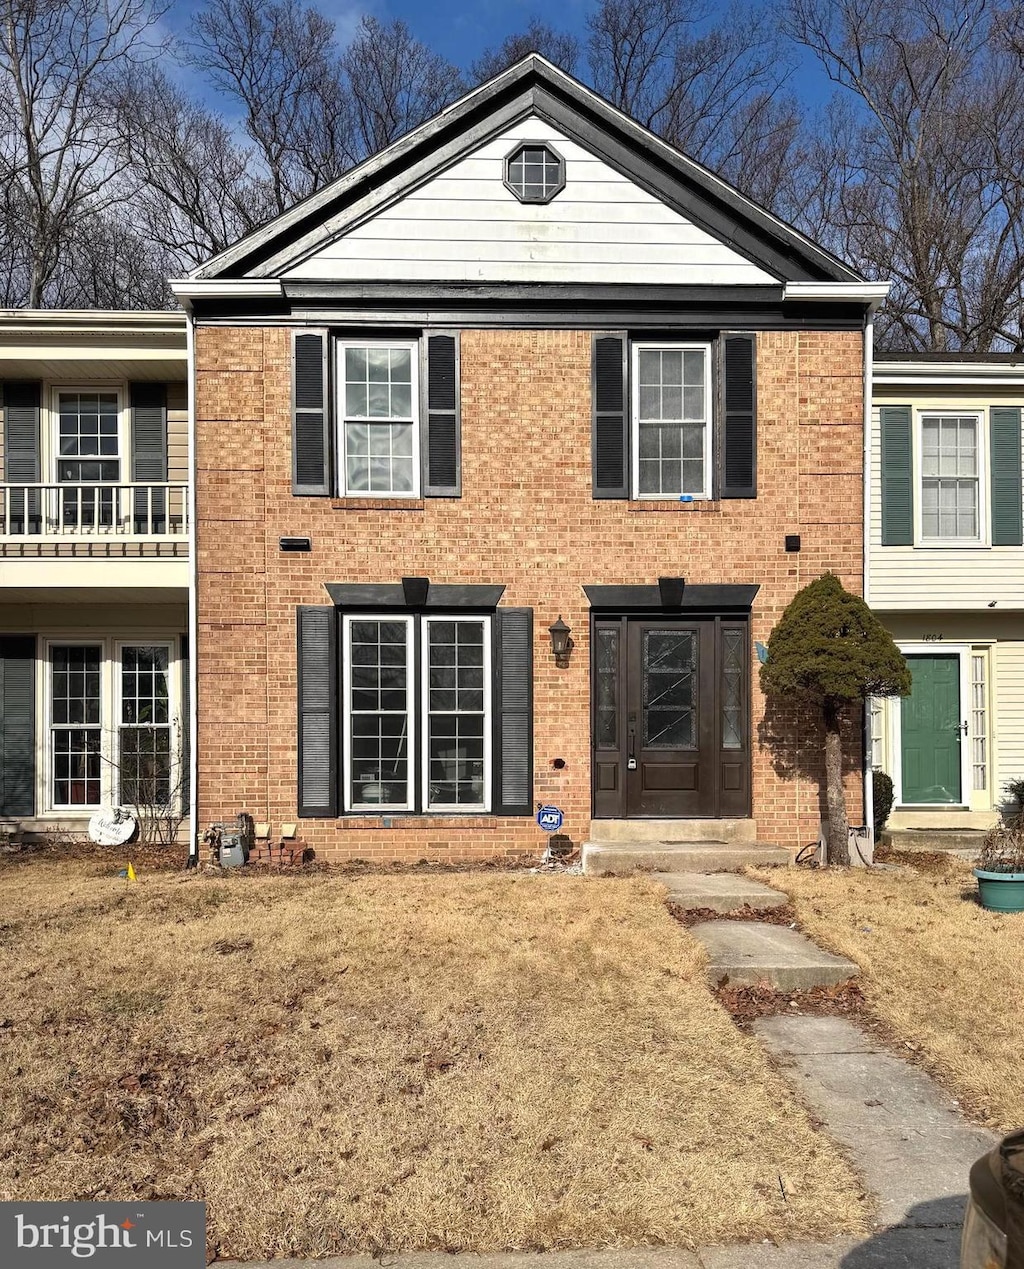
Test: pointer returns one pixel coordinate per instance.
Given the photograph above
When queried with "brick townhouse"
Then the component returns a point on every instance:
(529, 368)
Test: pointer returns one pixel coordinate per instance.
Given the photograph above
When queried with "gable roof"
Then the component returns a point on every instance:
(532, 87)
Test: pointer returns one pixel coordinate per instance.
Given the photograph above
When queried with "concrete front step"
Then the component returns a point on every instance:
(744, 953)
(731, 830)
(623, 858)
(935, 839)
(719, 891)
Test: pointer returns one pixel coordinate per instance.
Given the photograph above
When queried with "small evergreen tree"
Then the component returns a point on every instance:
(829, 652)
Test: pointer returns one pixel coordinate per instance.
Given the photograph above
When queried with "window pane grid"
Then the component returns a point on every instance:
(456, 686)
(379, 714)
(671, 415)
(144, 735)
(949, 476)
(535, 173)
(75, 725)
(378, 431)
(979, 722)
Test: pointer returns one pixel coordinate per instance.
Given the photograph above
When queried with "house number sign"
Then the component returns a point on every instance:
(932, 638)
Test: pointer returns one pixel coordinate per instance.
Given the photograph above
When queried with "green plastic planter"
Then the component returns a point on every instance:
(1001, 891)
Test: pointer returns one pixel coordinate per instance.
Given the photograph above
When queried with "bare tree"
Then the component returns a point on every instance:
(394, 82)
(708, 89)
(280, 64)
(202, 191)
(558, 47)
(59, 146)
(932, 194)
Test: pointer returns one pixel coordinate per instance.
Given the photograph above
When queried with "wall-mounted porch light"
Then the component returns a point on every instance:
(561, 642)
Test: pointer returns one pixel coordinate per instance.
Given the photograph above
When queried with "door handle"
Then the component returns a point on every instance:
(631, 753)
(961, 728)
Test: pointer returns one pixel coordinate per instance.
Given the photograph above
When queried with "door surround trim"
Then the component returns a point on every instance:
(933, 649)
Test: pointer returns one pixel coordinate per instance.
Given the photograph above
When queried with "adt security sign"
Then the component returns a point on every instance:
(550, 819)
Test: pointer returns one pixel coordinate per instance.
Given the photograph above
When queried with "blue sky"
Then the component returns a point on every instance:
(462, 29)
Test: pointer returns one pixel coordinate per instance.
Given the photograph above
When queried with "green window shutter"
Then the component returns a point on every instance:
(17, 725)
(21, 452)
(610, 424)
(149, 454)
(185, 748)
(441, 441)
(514, 711)
(311, 441)
(318, 712)
(738, 395)
(1004, 434)
(897, 476)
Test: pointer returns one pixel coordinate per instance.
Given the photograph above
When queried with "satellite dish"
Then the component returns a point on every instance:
(112, 826)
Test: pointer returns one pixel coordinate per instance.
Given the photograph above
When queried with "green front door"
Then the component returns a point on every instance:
(931, 731)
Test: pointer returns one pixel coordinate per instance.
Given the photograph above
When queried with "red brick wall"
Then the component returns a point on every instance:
(526, 519)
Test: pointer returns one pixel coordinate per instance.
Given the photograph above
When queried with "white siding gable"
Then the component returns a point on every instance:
(465, 226)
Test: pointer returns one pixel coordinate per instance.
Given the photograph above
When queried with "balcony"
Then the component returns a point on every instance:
(110, 513)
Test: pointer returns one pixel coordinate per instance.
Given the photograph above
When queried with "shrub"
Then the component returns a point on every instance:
(882, 798)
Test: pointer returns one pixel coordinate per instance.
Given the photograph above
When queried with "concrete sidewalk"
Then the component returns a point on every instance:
(901, 1131)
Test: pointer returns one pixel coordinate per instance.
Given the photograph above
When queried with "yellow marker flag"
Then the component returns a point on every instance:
(131, 873)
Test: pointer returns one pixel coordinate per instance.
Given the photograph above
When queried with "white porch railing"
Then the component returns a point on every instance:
(58, 512)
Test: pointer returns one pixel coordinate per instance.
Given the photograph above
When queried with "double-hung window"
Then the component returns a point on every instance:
(671, 420)
(379, 412)
(417, 711)
(951, 459)
(110, 724)
(88, 454)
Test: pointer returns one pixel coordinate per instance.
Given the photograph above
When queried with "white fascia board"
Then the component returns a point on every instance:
(187, 289)
(91, 321)
(872, 293)
(949, 372)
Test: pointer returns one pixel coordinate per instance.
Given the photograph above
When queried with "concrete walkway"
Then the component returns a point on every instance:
(901, 1131)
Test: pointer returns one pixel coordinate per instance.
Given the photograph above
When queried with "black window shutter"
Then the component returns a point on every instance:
(21, 452)
(1004, 428)
(318, 712)
(441, 432)
(149, 454)
(610, 426)
(185, 747)
(311, 442)
(17, 725)
(514, 714)
(738, 438)
(897, 476)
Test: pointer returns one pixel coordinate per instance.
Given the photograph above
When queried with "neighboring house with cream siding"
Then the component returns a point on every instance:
(93, 563)
(946, 576)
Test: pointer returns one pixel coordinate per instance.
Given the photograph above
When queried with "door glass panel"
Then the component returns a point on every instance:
(732, 689)
(606, 714)
(379, 712)
(669, 675)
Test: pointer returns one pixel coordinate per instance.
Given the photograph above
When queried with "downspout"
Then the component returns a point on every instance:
(869, 352)
(193, 613)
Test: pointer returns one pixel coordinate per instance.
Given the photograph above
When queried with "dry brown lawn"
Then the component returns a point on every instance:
(941, 973)
(383, 1063)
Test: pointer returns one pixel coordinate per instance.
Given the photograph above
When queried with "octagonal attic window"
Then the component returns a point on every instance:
(535, 173)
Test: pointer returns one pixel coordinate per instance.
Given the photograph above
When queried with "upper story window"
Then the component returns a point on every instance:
(951, 446)
(378, 441)
(535, 173)
(671, 420)
(88, 442)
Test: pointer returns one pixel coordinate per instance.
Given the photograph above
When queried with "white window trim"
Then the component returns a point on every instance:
(339, 378)
(963, 651)
(379, 808)
(110, 711)
(984, 534)
(634, 417)
(50, 438)
(454, 808)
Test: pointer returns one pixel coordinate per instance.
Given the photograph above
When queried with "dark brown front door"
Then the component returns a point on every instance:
(670, 717)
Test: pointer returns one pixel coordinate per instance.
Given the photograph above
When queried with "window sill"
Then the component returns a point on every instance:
(416, 819)
(705, 506)
(952, 544)
(377, 504)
